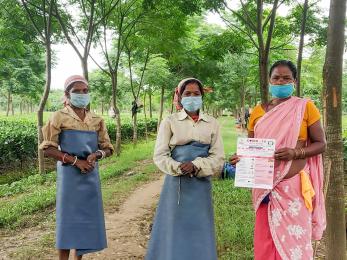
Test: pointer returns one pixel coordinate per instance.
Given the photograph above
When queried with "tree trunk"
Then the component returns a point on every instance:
(332, 78)
(263, 78)
(118, 131)
(301, 47)
(102, 107)
(116, 111)
(135, 129)
(264, 47)
(12, 107)
(243, 121)
(42, 105)
(8, 102)
(150, 105)
(145, 113)
(21, 107)
(161, 106)
(84, 63)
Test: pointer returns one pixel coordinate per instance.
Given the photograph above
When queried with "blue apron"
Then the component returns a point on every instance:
(183, 228)
(80, 222)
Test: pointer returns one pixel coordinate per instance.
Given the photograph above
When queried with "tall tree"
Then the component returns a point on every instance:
(332, 78)
(301, 47)
(118, 25)
(80, 31)
(40, 17)
(255, 21)
(136, 84)
(158, 77)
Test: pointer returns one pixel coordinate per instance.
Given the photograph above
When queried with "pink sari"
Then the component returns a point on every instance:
(290, 225)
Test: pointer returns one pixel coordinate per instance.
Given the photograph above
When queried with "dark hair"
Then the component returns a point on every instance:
(286, 63)
(183, 87)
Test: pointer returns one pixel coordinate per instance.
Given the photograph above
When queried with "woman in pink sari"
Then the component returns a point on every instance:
(290, 215)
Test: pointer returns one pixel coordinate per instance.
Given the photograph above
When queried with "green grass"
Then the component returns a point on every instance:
(234, 219)
(20, 199)
(234, 216)
(229, 134)
(114, 191)
(344, 122)
(14, 175)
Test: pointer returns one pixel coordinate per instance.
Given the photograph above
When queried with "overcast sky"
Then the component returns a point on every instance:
(68, 63)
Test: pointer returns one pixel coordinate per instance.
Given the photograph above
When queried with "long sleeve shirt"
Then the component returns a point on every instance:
(180, 129)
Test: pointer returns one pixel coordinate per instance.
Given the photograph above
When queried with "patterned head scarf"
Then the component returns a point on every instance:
(177, 95)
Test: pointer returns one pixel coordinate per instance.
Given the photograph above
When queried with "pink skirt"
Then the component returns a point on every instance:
(264, 247)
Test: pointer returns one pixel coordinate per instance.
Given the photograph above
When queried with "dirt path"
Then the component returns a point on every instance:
(128, 228)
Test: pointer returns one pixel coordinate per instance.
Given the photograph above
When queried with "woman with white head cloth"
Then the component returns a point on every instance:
(189, 150)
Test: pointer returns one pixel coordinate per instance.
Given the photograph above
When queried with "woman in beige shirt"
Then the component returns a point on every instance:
(189, 150)
(77, 139)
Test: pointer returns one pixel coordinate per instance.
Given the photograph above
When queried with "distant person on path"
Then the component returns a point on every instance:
(189, 151)
(290, 215)
(77, 138)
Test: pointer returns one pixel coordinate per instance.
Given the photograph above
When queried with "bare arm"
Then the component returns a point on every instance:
(317, 145)
(317, 138)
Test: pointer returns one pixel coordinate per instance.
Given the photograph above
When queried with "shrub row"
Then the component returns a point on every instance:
(18, 138)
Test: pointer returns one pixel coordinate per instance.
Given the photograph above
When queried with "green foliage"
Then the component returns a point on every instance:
(316, 25)
(18, 141)
(55, 100)
(39, 199)
(36, 193)
(26, 184)
(344, 135)
(127, 128)
(237, 81)
(18, 137)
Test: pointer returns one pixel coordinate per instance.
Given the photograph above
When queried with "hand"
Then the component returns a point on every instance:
(234, 159)
(285, 154)
(84, 166)
(92, 158)
(188, 168)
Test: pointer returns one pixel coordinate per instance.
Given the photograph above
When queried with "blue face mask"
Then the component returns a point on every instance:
(79, 100)
(282, 91)
(192, 104)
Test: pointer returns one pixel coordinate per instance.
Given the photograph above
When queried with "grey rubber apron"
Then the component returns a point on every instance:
(80, 220)
(183, 228)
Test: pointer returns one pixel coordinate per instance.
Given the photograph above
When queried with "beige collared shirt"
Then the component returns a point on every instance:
(180, 129)
(67, 119)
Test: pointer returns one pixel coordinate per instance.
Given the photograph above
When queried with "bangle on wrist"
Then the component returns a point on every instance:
(98, 155)
(74, 161)
(63, 159)
(303, 153)
(296, 152)
(103, 154)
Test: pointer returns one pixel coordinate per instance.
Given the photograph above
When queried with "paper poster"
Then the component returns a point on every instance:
(256, 166)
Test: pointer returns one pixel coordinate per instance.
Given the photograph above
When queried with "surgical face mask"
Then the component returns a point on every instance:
(282, 91)
(79, 100)
(192, 104)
